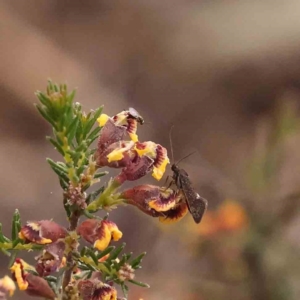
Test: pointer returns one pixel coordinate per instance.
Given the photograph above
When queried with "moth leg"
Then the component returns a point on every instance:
(166, 182)
(167, 179)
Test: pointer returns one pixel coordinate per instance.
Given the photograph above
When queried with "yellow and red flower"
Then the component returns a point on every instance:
(99, 232)
(123, 119)
(157, 153)
(167, 204)
(42, 232)
(116, 150)
(136, 159)
(32, 284)
(96, 290)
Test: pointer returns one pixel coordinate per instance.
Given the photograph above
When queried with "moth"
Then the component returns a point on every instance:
(197, 205)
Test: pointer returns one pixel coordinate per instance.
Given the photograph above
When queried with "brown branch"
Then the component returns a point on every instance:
(73, 220)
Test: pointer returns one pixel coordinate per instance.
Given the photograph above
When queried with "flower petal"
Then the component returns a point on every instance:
(118, 153)
(7, 286)
(104, 237)
(137, 168)
(38, 286)
(104, 292)
(102, 119)
(96, 290)
(17, 270)
(166, 200)
(157, 153)
(51, 258)
(141, 195)
(42, 232)
(133, 137)
(116, 234)
(174, 215)
(99, 233)
(32, 233)
(146, 148)
(110, 134)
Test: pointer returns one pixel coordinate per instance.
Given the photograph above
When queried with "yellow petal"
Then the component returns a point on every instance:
(103, 242)
(159, 172)
(21, 236)
(116, 234)
(148, 149)
(133, 137)
(17, 270)
(102, 120)
(8, 284)
(158, 205)
(174, 215)
(115, 155)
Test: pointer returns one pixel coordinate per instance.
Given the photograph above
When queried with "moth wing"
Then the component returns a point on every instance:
(197, 205)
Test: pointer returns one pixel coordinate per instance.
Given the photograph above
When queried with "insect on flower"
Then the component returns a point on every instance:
(135, 115)
(197, 205)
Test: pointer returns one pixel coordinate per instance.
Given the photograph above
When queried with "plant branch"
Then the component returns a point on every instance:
(74, 219)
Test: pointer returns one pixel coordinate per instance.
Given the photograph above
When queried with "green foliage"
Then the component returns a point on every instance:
(73, 132)
(88, 262)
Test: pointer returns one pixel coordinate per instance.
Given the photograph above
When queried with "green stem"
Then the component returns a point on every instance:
(105, 199)
(30, 246)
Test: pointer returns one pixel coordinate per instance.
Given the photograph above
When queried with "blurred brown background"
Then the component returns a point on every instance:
(225, 73)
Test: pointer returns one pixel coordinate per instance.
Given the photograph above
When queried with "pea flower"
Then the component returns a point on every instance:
(42, 232)
(136, 159)
(165, 203)
(51, 258)
(7, 286)
(99, 232)
(156, 152)
(96, 290)
(32, 284)
(126, 119)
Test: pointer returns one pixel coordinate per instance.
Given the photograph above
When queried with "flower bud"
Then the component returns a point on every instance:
(39, 287)
(75, 196)
(126, 272)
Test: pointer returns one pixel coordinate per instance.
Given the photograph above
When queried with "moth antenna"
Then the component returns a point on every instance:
(186, 157)
(171, 144)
